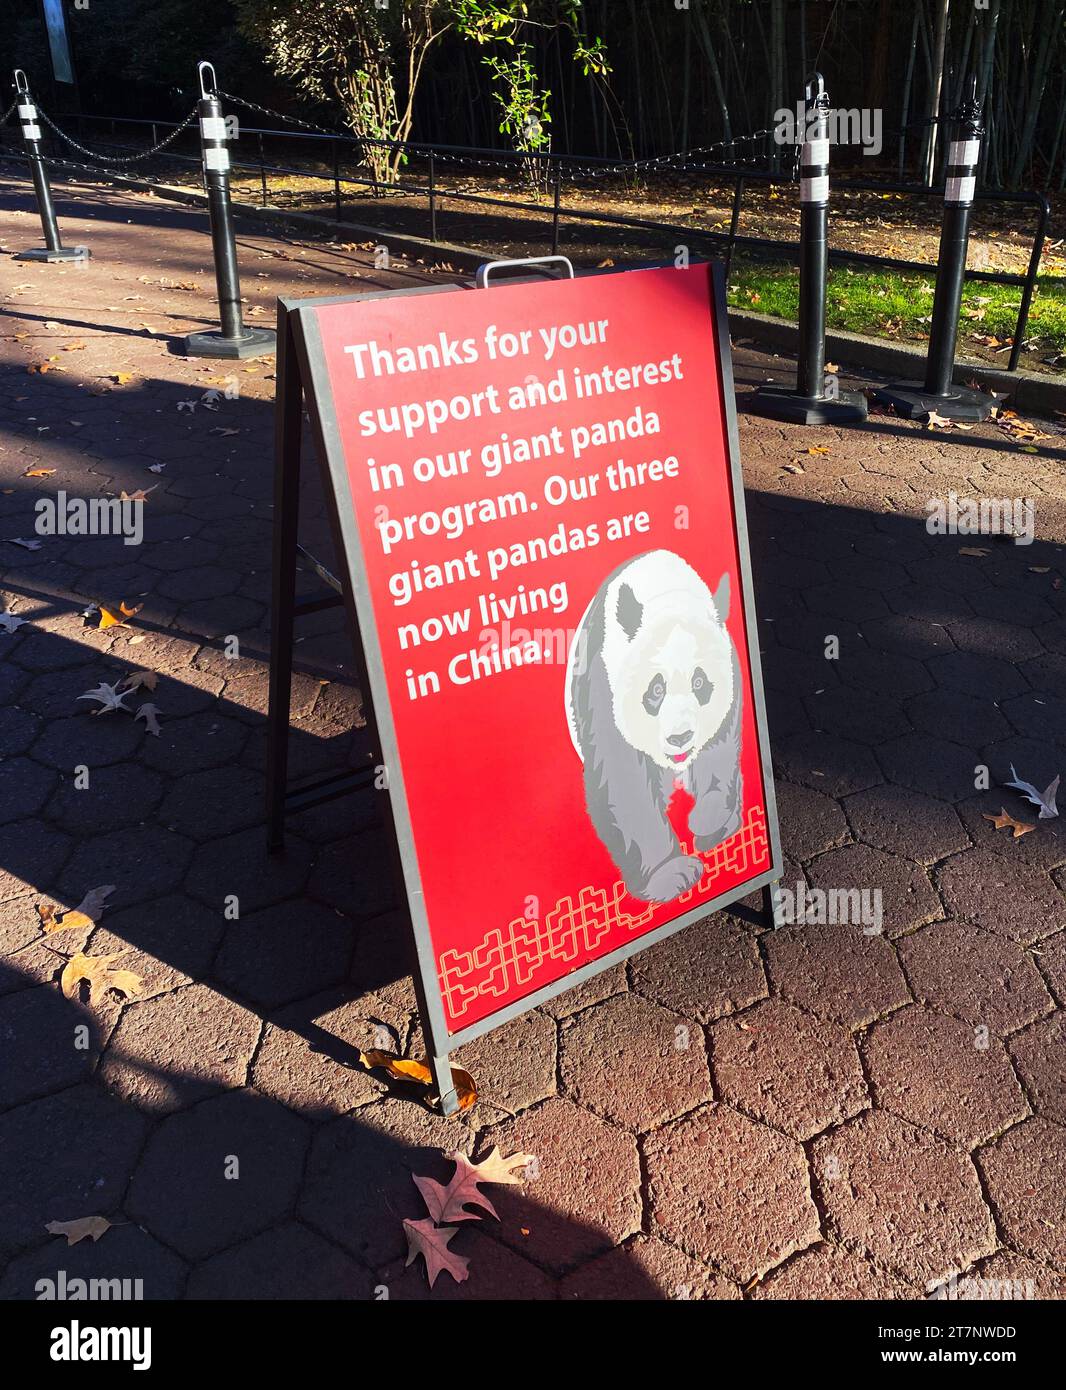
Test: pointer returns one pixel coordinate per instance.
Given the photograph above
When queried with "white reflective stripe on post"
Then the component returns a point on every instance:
(964, 152)
(816, 152)
(213, 127)
(815, 190)
(216, 159)
(28, 113)
(31, 132)
(960, 190)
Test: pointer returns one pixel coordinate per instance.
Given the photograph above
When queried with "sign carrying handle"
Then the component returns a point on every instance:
(547, 265)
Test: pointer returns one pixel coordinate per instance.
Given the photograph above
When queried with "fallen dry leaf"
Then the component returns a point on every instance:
(149, 713)
(87, 913)
(1005, 821)
(140, 680)
(450, 1203)
(408, 1069)
(38, 472)
(975, 550)
(109, 696)
(431, 1242)
(80, 1229)
(96, 972)
(108, 619)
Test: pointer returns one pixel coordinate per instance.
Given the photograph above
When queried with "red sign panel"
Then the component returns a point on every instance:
(539, 481)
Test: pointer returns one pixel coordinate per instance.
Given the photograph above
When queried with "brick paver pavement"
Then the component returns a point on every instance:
(852, 1114)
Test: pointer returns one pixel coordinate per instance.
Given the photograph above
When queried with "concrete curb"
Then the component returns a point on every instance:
(1043, 394)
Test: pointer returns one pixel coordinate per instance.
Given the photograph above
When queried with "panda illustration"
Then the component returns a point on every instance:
(653, 698)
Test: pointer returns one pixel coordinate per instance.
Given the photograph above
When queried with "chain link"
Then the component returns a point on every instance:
(573, 170)
(7, 114)
(119, 159)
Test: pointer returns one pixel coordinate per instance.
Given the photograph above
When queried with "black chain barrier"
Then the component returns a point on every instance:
(118, 159)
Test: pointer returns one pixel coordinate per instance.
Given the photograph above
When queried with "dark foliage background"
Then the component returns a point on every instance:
(680, 78)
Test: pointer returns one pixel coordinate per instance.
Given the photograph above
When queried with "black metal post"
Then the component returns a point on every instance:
(1030, 283)
(53, 248)
(734, 225)
(432, 198)
(557, 180)
(812, 402)
(235, 340)
(939, 393)
(336, 180)
(262, 170)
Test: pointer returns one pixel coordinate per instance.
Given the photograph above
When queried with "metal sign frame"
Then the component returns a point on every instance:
(302, 375)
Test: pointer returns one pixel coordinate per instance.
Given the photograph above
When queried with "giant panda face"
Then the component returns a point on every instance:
(671, 669)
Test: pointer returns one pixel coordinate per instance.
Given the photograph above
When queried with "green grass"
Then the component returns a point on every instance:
(899, 305)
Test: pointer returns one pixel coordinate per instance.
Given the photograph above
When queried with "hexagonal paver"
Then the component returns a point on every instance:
(239, 866)
(219, 801)
(828, 1271)
(33, 854)
(905, 896)
(943, 1074)
(827, 763)
(66, 1156)
(811, 822)
(836, 972)
(787, 1068)
(49, 1042)
(257, 961)
(645, 1269)
(219, 1173)
(905, 822)
(167, 942)
(514, 1066)
(115, 797)
(358, 1188)
(987, 637)
(1007, 1275)
(1025, 1171)
(143, 863)
(586, 1195)
(632, 1062)
(355, 875)
(1040, 1056)
(572, 1001)
(704, 972)
(196, 742)
(1006, 897)
(961, 970)
(128, 1253)
(309, 1056)
(1051, 956)
(972, 674)
(965, 719)
(494, 1273)
(903, 1197)
(934, 766)
(287, 1262)
(171, 1051)
(729, 1191)
(873, 719)
(19, 922)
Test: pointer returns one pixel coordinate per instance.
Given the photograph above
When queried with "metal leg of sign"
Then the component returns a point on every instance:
(287, 428)
(442, 1075)
(770, 904)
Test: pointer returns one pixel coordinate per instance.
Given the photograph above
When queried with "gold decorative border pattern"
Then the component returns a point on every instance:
(513, 955)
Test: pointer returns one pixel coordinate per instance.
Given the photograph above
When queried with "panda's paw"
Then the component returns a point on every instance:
(673, 878)
(705, 843)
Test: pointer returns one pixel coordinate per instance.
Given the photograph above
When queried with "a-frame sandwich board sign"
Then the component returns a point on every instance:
(538, 511)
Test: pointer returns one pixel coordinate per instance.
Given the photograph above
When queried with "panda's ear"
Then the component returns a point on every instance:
(721, 598)
(629, 611)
